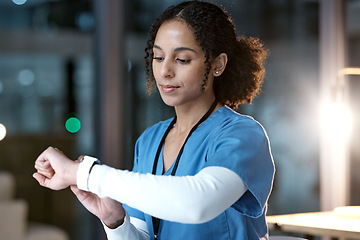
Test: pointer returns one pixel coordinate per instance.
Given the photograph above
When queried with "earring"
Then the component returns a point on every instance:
(217, 72)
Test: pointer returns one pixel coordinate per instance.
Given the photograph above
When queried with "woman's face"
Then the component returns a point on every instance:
(178, 66)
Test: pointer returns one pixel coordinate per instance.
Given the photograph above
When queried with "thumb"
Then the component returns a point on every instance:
(42, 180)
(80, 194)
(75, 189)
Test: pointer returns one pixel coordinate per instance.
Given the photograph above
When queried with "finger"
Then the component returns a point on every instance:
(47, 173)
(58, 150)
(80, 194)
(75, 189)
(39, 163)
(44, 155)
(43, 166)
(40, 178)
(40, 168)
(46, 166)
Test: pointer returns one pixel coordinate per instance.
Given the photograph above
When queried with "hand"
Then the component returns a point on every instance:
(108, 210)
(55, 170)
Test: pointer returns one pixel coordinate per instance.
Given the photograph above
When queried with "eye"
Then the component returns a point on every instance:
(159, 59)
(183, 61)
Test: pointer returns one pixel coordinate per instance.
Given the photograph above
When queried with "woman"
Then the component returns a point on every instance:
(206, 173)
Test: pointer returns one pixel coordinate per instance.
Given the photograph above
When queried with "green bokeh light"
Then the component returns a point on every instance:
(73, 125)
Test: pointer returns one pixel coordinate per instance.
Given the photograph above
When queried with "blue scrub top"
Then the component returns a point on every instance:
(226, 139)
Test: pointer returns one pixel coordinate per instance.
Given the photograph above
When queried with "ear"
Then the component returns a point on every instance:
(219, 64)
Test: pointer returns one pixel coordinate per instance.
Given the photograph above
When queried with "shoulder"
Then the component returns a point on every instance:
(229, 121)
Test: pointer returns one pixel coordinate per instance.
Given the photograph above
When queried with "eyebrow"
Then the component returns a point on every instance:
(178, 49)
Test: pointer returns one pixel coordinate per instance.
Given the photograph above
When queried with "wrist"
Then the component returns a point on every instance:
(73, 173)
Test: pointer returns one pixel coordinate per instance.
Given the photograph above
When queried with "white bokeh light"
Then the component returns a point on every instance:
(336, 121)
(2, 131)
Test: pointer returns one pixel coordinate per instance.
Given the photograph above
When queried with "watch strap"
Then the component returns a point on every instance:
(83, 173)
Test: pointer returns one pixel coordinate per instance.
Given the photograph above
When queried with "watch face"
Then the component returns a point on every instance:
(80, 159)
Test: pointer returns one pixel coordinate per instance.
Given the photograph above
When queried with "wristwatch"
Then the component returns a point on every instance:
(86, 165)
(89, 162)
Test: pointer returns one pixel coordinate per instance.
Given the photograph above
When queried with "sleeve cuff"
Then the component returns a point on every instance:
(119, 231)
(84, 171)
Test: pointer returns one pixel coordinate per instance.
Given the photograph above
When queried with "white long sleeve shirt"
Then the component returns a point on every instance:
(185, 199)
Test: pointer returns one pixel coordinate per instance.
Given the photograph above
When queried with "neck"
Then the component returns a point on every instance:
(188, 116)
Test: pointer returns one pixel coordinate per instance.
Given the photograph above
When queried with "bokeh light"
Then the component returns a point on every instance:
(2, 131)
(336, 121)
(73, 125)
(26, 77)
(19, 2)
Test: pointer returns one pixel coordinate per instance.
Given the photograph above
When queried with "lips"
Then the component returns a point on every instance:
(168, 88)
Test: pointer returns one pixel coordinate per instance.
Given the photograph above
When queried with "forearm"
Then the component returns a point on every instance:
(212, 191)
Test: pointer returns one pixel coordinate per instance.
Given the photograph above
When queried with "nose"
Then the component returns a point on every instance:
(166, 70)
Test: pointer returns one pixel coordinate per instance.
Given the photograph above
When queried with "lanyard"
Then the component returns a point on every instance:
(156, 221)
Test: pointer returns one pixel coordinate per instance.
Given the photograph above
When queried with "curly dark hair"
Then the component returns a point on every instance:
(215, 33)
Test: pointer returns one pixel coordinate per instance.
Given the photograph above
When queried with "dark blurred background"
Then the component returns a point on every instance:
(70, 62)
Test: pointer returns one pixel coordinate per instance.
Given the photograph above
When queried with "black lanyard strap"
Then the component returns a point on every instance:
(156, 221)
